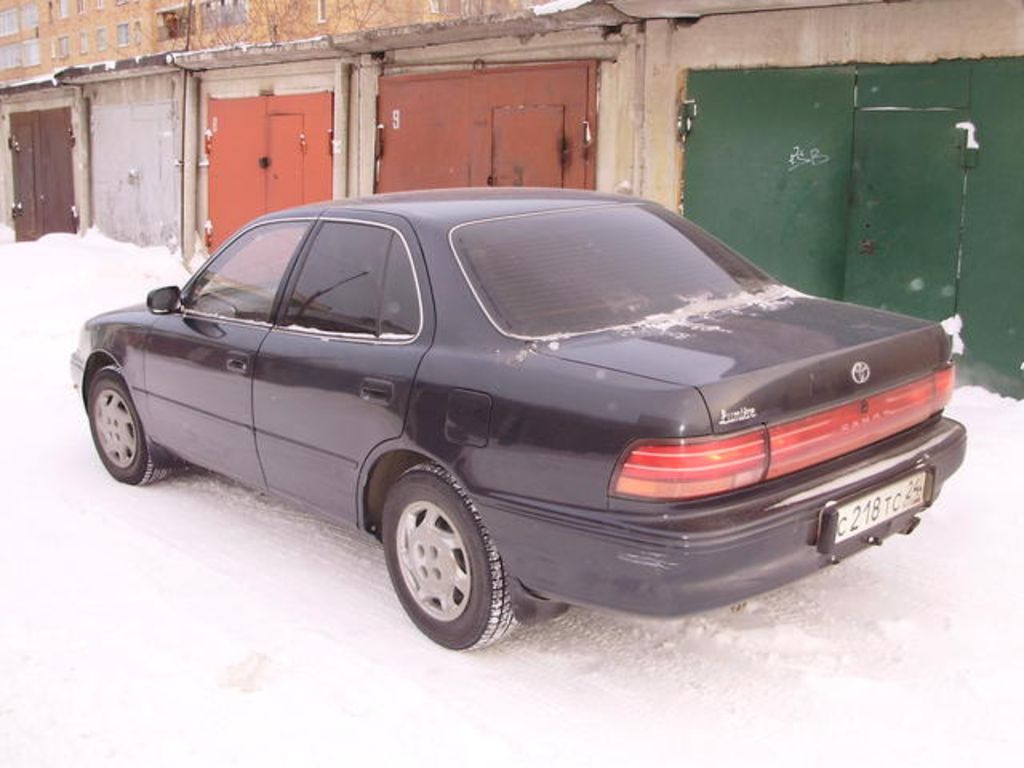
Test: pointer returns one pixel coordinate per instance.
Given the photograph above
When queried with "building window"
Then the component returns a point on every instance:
(101, 39)
(63, 8)
(172, 24)
(137, 32)
(321, 11)
(10, 56)
(63, 47)
(123, 35)
(81, 6)
(99, 5)
(9, 22)
(30, 55)
(83, 42)
(29, 16)
(217, 14)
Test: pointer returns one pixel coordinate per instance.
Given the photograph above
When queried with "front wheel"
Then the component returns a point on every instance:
(442, 562)
(117, 431)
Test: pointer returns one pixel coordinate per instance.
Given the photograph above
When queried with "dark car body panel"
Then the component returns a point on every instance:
(781, 361)
(534, 430)
(671, 559)
(199, 392)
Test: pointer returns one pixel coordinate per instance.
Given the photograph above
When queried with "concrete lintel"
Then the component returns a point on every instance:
(557, 46)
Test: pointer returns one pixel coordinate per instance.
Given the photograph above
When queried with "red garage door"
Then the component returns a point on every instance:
(509, 126)
(266, 153)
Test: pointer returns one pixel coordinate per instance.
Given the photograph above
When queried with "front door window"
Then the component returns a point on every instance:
(242, 281)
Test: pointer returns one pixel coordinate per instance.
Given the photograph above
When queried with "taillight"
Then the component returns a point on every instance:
(686, 469)
(692, 468)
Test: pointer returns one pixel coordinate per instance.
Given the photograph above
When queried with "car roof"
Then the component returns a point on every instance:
(449, 207)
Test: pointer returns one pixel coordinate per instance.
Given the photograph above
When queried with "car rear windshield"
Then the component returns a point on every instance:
(581, 270)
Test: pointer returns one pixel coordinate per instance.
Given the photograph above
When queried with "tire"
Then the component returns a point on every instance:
(117, 431)
(442, 562)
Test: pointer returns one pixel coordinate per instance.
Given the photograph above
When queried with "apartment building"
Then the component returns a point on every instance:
(38, 37)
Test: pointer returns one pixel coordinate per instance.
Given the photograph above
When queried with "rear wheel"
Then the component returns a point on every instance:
(117, 431)
(442, 562)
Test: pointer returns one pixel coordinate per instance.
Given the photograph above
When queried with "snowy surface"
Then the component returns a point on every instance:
(557, 6)
(954, 326)
(196, 623)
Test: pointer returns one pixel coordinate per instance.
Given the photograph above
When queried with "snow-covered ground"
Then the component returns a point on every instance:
(196, 623)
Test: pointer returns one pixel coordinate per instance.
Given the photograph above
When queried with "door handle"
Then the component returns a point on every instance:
(379, 391)
(237, 363)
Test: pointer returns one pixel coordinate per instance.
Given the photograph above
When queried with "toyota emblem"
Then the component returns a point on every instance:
(860, 372)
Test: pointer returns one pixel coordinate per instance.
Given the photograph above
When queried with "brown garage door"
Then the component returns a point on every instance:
(266, 153)
(44, 190)
(508, 126)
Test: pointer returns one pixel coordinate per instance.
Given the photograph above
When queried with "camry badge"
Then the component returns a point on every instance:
(860, 372)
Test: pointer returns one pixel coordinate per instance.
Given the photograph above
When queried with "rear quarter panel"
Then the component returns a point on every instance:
(556, 428)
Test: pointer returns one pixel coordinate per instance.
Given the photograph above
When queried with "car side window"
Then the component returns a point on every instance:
(356, 279)
(242, 281)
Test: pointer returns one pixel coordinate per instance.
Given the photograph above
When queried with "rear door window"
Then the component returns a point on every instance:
(356, 279)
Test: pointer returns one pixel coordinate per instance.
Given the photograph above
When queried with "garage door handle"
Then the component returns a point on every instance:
(377, 391)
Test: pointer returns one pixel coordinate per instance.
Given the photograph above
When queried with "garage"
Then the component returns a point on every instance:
(135, 134)
(41, 143)
(518, 126)
(896, 186)
(266, 153)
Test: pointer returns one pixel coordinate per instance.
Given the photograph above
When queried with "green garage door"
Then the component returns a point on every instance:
(857, 183)
(907, 189)
(991, 296)
(768, 168)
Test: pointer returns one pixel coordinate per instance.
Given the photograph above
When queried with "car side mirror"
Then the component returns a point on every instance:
(163, 301)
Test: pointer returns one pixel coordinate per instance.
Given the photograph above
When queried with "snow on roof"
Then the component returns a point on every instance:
(557, 6)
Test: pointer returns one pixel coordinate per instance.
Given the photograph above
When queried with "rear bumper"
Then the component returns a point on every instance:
(669, 560)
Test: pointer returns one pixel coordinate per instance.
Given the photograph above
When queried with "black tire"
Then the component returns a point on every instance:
(120, 443)
(486, 614)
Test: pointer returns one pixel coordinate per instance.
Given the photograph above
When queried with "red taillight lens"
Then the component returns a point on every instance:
(823, 436)
(689, 469)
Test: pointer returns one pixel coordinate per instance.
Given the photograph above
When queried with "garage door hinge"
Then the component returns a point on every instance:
(13, 145)
(685, 118)
(71, 137)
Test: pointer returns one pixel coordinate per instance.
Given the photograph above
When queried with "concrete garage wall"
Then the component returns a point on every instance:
(903, 32)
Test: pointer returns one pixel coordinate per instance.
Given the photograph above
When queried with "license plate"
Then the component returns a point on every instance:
(874, 508)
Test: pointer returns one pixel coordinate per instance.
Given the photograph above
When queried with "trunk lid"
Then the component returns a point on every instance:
(768, 362)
